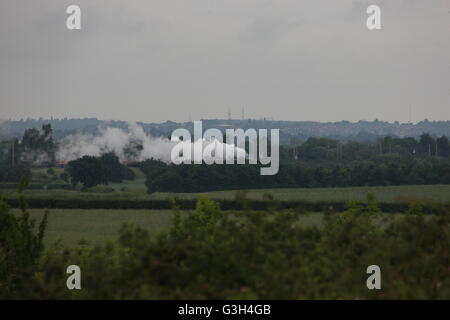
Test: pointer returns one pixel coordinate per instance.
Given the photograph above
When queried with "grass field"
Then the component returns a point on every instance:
(98, 226)
(135, 190)
(95, 227)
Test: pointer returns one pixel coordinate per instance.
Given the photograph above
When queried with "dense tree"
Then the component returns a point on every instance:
(443, 147)
(114, 170)
(88, 171)
(91, 171)
(426, 144)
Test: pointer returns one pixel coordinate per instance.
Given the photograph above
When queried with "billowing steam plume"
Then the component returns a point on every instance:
(129, 145)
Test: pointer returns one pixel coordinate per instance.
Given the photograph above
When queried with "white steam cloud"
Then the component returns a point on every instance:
(129, 145)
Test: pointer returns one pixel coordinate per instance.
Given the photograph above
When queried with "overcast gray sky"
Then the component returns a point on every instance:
(157, 60)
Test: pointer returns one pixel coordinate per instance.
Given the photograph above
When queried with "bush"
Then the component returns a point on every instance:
(258, 255)
(20, 250)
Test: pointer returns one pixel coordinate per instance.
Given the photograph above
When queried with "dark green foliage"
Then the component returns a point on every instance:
(91, 171)
(383, 170)
(13, 174)
(319, 162)
(31, 186)
(88, 171)
(21, 247)
(259, 255)
(227, 205)
(114, 170)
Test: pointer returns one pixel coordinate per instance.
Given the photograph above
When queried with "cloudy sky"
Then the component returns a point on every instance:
(157, 60)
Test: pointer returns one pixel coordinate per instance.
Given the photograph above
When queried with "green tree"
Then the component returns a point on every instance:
(113, 169)
(88, 171)
(443, 146)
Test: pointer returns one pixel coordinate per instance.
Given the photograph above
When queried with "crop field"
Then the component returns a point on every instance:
(95, 227)
(135, 190)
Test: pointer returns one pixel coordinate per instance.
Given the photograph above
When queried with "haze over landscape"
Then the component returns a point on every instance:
(224, 150)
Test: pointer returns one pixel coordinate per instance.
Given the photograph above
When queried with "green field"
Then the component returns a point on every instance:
(97, 226)
(135, 190)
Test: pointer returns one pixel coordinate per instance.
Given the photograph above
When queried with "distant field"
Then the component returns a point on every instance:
(135, 190)
(435, 193)
(98, 226)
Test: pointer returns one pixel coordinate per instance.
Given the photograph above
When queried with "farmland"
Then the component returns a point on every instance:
(136, 191)
(95, 227)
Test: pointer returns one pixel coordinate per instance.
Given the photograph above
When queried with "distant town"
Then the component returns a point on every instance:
(290, 131)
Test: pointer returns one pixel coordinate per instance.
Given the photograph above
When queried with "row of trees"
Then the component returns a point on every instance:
(323, 149)
(383, 170)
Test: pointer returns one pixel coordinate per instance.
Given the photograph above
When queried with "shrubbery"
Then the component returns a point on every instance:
(21, 247)
(216, 255)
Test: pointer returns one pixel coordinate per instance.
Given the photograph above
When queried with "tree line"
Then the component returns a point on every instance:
(318, 162)
(381, 171)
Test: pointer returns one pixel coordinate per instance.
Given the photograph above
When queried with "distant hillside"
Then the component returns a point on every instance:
(289, 130)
